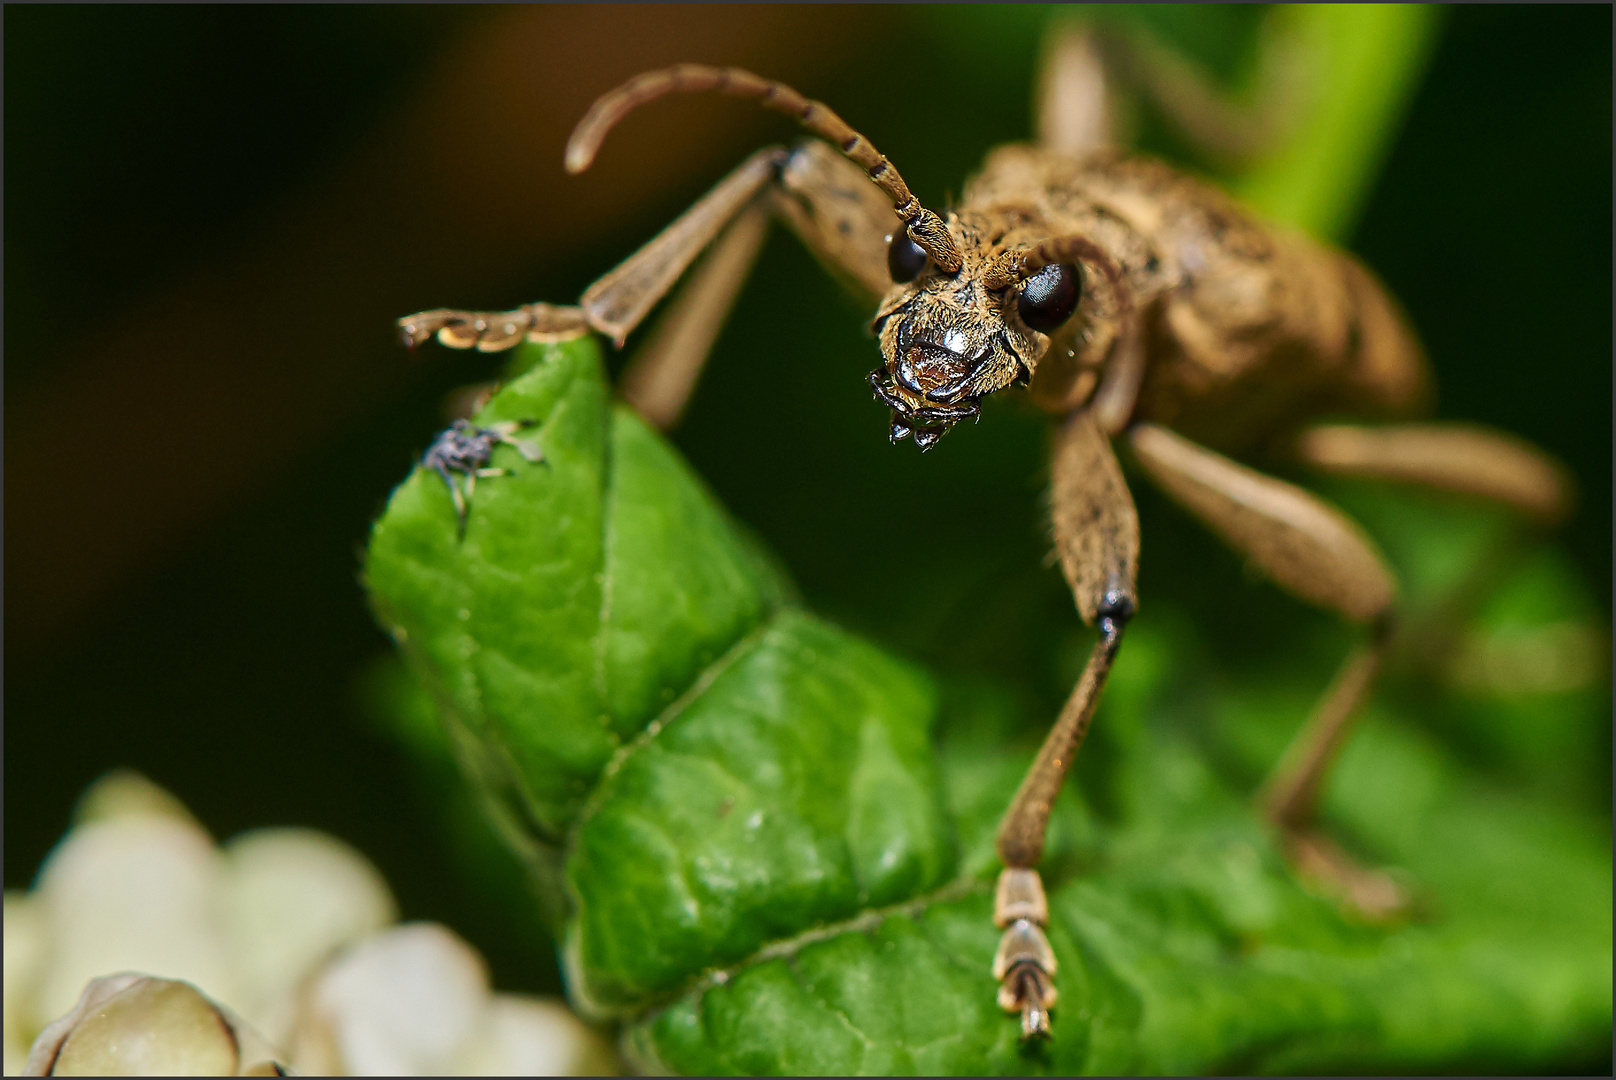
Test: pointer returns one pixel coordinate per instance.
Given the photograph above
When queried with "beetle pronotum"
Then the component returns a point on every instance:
(1138, 305)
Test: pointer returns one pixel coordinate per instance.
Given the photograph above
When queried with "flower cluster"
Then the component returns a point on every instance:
(144, 948)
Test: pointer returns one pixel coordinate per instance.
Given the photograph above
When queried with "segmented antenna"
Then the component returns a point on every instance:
(924, 227)
(1013, 267)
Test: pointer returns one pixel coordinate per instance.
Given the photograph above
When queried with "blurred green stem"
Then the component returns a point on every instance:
(1365, 60)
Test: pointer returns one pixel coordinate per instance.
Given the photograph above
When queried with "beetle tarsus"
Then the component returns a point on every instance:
(1024, 963)
(1028, 990)
(493, 331)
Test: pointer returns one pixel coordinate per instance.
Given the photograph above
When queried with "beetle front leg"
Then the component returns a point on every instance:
(826, 200)
(493, 331)
(1097, 538)
(1024, 963)
(836, 212)
(619, 301)
(839, 216)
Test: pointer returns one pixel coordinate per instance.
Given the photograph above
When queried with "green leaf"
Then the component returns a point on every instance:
(587, 592)
(769, 843)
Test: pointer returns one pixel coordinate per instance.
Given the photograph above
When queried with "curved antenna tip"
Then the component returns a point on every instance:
(577, 158)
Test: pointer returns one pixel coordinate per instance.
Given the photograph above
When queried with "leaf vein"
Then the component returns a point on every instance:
(786, 948)
(675, 708)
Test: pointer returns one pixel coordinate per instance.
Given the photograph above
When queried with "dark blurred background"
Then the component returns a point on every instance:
(213, 215)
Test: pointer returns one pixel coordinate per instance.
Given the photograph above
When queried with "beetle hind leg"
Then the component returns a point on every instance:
(1464, 459)
(1289, 797)
(1318, 554)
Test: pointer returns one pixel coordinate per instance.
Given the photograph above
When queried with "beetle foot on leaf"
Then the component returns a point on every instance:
(1374, 896)
(1024, 963)
(464, 450)
(1027, 989)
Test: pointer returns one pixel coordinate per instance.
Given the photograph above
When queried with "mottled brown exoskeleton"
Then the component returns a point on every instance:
(1138, 306)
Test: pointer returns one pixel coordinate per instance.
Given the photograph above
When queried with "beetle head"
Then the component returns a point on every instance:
(949, 340)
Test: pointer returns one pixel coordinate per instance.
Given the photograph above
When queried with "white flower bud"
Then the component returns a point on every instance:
(529, 1036)
(137, 886)
(130, 893)
(414, 1001)
(124, 793)
(398, 1004)
(289, 899)
(134, 1025)
(25, 945)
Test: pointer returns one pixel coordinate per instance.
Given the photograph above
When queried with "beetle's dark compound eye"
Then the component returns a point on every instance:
(1050, 296)
(905, 258)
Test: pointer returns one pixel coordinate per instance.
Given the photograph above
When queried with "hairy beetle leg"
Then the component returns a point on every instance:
(465, 450)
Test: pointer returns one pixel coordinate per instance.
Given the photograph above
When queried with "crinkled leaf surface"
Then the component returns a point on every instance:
(770, 843)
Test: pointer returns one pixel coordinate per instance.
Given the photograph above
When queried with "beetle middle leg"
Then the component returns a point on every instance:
(1097, 538)
(1318, 554)
(1233, 128)
(1076, 105)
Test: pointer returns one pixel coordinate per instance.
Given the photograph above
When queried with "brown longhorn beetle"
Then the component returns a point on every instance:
(1136, 305)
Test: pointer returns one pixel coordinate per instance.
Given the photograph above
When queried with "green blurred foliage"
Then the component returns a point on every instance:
(769, 867)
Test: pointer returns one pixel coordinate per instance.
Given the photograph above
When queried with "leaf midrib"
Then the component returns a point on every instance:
(788, 947)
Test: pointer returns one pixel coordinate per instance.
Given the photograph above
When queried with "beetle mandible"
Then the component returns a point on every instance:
(1138, 306)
